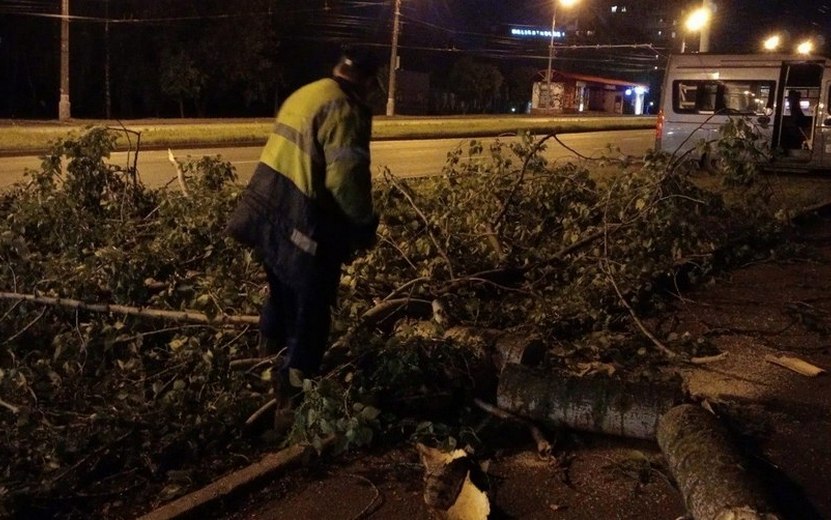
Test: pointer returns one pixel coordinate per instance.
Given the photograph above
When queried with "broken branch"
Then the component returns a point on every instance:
(192, 316)
(544, 448)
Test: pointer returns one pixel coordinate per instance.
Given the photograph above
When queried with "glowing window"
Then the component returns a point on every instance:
(724, 97)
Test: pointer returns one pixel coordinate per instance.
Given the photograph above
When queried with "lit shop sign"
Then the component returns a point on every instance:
(535, 33)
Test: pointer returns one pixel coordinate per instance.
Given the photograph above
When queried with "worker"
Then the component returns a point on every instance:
(307, 210)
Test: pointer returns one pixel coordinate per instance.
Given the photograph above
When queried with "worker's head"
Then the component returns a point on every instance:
(358, 66)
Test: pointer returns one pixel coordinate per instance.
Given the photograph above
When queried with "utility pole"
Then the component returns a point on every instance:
(393, 60)
(64, 111)
(107, 97)
(549, 71)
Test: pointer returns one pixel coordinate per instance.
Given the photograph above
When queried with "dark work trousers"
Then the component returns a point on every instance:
(298, 321)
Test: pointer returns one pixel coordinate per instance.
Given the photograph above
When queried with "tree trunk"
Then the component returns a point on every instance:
(711, 474)
(594, 404)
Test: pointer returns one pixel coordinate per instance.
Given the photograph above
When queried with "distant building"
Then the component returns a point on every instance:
(574, 93)
(644, 21)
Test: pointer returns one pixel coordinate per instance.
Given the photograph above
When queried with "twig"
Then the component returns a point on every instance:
(369, 507)
(249, 363)
(180, 175)
(387, 306)
(544, 448)
(703, 360)
(12, 308)
(509, 199)
(12, 408)
(395, 183)
(192, 316)
(377, 314)
(264, 409)
(398, 290)
(587, 158)
(646, 332)
(27, 327)
(608, 272)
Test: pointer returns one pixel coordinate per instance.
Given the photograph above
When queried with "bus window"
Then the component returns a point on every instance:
(731, 97)
(684, 98)
(748, 97)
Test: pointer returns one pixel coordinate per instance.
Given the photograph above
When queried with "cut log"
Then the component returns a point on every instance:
(521, 349)
(711, 473)
(594, 404)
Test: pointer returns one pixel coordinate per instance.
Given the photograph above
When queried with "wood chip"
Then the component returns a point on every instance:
(797, 365)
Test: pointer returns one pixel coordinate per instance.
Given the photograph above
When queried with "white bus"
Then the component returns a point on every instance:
(786, 96)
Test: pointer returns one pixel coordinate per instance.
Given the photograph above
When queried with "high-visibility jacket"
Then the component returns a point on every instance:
(308, 206)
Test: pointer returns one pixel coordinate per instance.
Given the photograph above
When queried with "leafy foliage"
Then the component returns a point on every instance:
(107, 402)
(101, 406)
(476, 83)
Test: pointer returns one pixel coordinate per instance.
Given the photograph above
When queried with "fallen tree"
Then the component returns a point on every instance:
(597, 403)
(712, 473)
(501, 241)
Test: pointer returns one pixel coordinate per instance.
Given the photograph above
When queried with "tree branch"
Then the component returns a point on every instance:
(191, 316)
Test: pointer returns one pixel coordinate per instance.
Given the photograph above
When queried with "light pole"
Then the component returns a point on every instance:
(548, 73)
(704, 37)
(698, 21)
(393, 60)
(64, 111)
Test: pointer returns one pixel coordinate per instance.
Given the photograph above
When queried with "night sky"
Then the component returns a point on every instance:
(434, 34)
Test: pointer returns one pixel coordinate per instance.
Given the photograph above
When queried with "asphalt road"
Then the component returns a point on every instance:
(411, 158)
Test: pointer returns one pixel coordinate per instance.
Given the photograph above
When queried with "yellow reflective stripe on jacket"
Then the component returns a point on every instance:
(321, 141)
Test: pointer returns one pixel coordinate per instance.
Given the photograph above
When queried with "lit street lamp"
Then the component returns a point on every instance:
(566, 3)
(806, 47)
(772, 42)
(698, 21)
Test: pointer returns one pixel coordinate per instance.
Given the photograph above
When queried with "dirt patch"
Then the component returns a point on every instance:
(783, 420)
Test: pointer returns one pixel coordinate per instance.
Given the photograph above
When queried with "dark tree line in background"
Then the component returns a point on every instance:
(160, 58)
(214, 58)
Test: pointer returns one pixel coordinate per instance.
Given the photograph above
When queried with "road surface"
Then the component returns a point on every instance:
(411, 158)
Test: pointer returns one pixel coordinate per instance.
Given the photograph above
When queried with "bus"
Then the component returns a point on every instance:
(785, 96)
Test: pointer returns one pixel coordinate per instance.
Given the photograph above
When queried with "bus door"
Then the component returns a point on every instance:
(798, 102)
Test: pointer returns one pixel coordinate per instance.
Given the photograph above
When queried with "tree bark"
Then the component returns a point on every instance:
(711, 474)
(594, 404)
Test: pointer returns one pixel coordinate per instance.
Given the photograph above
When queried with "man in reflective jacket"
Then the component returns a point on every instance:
(308, 209)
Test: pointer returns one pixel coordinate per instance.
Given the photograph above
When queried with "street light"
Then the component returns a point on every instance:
(772, 42)
(806, 47)
(566, 3)
(696, 22)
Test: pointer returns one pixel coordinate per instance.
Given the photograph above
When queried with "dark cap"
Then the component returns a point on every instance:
(361, 61)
